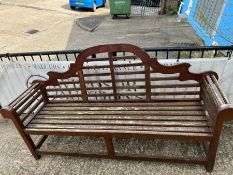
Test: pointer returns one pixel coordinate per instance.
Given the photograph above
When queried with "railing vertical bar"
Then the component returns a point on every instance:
(49, 57)
(178, 56)
(215, 52)
(229, 53)
(202, 53)
(41, 58)
(190, 54)
(167, 54)
(32, 58)
(66, 57)
(24, 58)
(57, 57)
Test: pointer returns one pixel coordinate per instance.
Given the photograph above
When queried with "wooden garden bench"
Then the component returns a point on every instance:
(127, 94)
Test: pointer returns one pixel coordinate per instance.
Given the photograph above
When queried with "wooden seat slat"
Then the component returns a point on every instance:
(139, 108)
(121, 122)
(122, 117)
(156, 99)
(113, 127)
(138, 104)
(128, 94)
(143, 113)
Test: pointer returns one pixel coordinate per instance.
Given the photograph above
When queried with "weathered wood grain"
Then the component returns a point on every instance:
(123, 96)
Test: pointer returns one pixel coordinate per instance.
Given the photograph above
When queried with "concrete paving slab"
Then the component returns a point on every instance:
(90, 23)
(58, 30)
(19, 18)
(66, 34)
(16, 21)
(16, 159)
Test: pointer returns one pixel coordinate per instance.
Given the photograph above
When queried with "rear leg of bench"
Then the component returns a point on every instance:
(109, 145)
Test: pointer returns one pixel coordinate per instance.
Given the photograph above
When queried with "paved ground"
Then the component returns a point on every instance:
(57, 29)
(16, 159)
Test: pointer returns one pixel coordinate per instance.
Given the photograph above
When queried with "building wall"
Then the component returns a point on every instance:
(224, 31)
(198, 29)
(224, 35)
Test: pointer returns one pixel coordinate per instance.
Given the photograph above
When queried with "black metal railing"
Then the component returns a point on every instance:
(160, 52)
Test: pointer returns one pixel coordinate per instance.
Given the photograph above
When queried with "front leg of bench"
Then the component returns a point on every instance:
(225, 114)
(18, 124)
(219, 110)
(23, 109)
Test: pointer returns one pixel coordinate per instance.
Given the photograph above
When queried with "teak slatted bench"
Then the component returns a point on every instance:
(131, 95)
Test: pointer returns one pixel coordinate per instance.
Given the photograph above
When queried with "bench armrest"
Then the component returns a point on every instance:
(26, 104)
(215, 101)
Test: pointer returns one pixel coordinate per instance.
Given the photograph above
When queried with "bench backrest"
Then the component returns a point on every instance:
(130, 76)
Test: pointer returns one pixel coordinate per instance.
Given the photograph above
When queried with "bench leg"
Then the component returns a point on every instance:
(27, 139)
(31, 146)
(212, 155)
(20, 127)
(109, 145)
(213, 147)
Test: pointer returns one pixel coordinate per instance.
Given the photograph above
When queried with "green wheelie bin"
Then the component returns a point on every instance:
(120, 7)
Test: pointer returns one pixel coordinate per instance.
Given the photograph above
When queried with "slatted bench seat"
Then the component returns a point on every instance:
(127, 95)
(174, 118)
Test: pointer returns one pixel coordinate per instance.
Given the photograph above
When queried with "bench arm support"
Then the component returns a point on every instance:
(215, 101)
(25, 105)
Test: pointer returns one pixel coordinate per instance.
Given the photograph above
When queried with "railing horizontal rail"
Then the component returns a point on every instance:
(159, 52)
(40, 53)
(198, 48)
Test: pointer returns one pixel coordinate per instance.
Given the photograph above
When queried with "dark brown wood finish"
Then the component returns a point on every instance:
(129, 95)
(112, 75)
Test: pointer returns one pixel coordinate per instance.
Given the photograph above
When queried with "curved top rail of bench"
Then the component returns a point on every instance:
(111, 48)
(183, 68)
